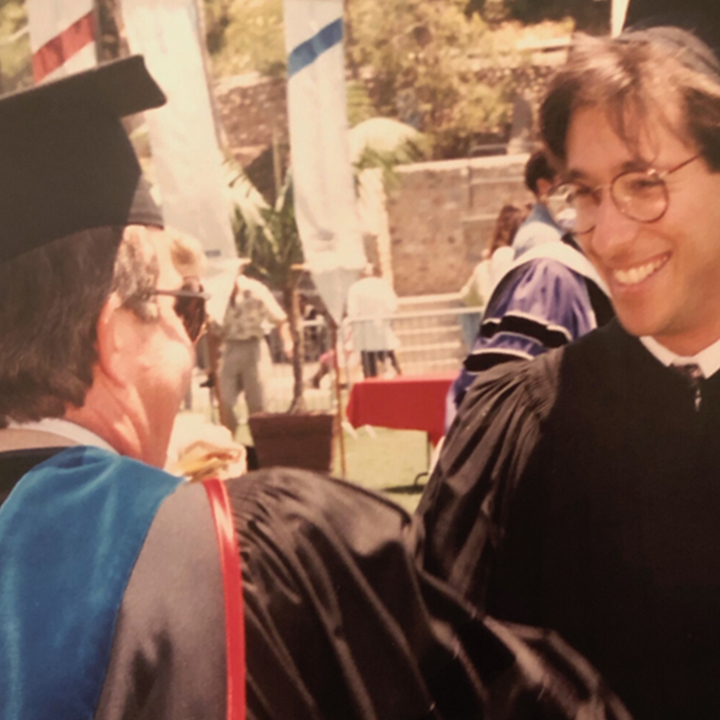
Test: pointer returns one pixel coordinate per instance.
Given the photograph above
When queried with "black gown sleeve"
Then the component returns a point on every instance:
(341, 621)
(491, 446)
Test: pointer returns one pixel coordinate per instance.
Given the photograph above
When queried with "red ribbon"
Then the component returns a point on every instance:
(232, 590)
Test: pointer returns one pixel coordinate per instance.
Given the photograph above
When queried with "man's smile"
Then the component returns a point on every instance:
(634, 275)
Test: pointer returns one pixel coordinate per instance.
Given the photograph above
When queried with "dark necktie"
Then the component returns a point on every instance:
(693, 375)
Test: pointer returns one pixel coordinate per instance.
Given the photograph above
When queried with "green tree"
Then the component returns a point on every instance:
(359, 102)
(244, 36)
(15, 56)
(412, 60)
(420, 61)
(589, 15)
(269, 236)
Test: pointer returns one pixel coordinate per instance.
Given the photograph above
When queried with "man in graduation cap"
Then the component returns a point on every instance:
(123, 593)
(580, 491)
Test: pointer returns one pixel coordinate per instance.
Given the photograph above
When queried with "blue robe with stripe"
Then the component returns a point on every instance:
(70, 534)
(545, 301)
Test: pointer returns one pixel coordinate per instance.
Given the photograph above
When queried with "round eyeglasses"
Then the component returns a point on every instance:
(641, 195)
(189, 305)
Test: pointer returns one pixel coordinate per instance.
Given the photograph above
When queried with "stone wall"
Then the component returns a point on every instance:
(441, 216)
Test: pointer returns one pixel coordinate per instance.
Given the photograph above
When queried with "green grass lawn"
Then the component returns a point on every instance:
(392, 458)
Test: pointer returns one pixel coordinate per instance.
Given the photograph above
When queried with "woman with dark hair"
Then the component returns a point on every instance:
(497, 258)
(508, 221)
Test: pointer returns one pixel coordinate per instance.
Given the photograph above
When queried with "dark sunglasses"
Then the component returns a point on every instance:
(189, 306)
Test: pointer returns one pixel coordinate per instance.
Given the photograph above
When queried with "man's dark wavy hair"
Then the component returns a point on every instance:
(634, 77)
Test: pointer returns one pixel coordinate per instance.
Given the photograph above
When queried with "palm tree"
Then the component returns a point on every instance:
(269, 236)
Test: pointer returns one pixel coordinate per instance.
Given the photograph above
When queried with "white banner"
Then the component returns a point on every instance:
(186, 156)
(325, 202)
(62, 37)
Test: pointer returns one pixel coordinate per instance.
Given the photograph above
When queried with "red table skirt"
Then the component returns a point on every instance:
(403, 403)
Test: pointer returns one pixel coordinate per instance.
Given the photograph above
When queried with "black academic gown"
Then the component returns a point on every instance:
(340, 620)
(581, 492)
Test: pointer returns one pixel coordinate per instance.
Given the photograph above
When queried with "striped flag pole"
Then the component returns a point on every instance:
(62, 37)
(325, 201)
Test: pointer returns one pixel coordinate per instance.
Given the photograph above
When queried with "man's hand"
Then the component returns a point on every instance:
(199, 450)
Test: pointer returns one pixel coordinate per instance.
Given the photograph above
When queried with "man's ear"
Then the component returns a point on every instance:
(113, 340)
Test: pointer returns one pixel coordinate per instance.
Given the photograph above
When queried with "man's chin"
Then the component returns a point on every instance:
(634, 326)
(637, 322)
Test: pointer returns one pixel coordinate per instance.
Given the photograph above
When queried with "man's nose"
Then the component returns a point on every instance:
(614, 231)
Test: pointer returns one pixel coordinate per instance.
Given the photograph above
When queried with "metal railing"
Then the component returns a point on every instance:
(424, 341)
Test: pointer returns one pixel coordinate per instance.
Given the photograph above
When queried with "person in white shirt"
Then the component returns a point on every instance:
(370, 303)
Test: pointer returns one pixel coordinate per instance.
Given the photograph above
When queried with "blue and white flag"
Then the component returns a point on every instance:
(325, 201)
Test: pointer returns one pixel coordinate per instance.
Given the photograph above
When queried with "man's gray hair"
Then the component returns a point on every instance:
(51, 300)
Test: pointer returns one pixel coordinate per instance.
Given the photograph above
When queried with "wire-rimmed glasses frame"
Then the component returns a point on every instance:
(641, 195)
(189, 305)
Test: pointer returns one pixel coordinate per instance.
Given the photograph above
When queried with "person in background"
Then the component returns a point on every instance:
(245, 359)
(507, 225)
(475, 293)
(579, 491)
(370, 304)
(540, 226)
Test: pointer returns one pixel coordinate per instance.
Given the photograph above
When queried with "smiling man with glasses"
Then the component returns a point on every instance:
(580, 491)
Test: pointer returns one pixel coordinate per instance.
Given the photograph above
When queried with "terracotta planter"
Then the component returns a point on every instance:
(302, 441)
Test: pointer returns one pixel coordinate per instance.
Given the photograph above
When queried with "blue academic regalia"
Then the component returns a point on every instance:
(70, 534)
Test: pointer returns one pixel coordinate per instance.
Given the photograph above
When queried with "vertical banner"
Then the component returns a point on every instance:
(186, 156)
(62, 37)
(325, 202)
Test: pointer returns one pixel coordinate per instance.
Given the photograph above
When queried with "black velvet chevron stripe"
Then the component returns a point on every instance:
(486, 359)
(520, 325)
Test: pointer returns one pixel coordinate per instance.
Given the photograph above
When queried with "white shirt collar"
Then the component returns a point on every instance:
(708, 359)
(66, 429)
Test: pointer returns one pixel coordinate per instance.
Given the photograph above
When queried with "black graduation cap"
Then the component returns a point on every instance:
(702, 17)
(66, 163)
